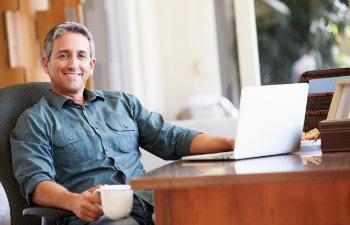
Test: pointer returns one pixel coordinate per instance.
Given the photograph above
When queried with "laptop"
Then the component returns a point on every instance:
(270, 122)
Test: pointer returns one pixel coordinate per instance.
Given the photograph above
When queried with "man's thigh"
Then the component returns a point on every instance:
(124, 221)
(141, 214)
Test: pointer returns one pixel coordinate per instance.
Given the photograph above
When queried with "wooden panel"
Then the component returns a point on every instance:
(278, 203)
(162, 211)
(23, 45)
(8, 75)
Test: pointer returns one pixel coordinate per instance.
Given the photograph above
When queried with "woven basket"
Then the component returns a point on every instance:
(318, 103)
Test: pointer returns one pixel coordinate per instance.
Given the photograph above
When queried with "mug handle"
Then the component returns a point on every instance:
(96, 192)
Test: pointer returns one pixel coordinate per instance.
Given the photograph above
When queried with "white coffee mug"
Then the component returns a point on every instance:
(116, 200)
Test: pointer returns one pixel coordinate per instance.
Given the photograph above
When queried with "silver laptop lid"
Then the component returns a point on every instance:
(271, 120)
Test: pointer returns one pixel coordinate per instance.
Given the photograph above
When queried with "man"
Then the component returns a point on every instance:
(75, 139)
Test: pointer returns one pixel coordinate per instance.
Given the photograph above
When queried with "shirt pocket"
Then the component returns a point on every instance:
(126, 132)
(69, 146)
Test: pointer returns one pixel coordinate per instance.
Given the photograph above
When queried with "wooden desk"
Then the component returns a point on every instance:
(283, 189)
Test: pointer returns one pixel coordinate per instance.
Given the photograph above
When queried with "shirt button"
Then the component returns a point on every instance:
(126, 126)
(70, 138)
(107, 149)
(20, 173)
(96, 128)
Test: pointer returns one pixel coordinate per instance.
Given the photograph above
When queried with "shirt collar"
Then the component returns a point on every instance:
(57, 101)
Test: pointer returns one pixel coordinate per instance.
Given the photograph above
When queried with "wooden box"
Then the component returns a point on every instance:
(335, 135)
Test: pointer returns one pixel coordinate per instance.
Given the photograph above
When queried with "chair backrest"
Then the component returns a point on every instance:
(13, 101)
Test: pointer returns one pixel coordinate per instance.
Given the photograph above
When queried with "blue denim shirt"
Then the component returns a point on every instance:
(82, 146)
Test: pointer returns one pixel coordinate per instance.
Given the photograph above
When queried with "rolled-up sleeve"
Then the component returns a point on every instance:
(160, 138)
(31, 154)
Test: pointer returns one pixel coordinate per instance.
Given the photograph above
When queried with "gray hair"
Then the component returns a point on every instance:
(63, 28)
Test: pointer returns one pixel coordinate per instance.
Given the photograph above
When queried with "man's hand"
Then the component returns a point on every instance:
(51, 194)
(84, 205)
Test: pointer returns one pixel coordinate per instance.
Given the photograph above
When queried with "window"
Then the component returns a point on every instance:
(295, 36)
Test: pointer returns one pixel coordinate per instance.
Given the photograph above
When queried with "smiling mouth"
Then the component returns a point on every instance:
(72, 74)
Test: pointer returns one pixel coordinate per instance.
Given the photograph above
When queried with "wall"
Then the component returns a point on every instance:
(173, 51)
(168, 50)
(188, 51)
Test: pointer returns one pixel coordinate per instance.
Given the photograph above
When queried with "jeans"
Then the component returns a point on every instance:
(141, 214)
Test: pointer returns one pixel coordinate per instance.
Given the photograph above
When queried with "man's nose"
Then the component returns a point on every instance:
(73, 62)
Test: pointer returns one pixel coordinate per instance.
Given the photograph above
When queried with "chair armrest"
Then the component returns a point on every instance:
(48, 212)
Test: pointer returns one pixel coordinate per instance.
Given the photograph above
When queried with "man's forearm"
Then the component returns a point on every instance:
(51, 194)
(48, 193)
(203, 143)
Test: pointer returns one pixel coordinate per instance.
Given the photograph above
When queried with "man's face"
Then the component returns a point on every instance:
(70, 66)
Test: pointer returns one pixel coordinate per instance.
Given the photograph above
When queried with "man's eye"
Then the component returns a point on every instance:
(63, 56)
(82, 56)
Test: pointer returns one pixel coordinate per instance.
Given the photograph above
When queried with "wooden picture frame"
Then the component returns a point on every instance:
(340, 105)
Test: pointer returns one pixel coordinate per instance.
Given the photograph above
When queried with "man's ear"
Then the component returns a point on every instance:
(45, 63)
(92, 66)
